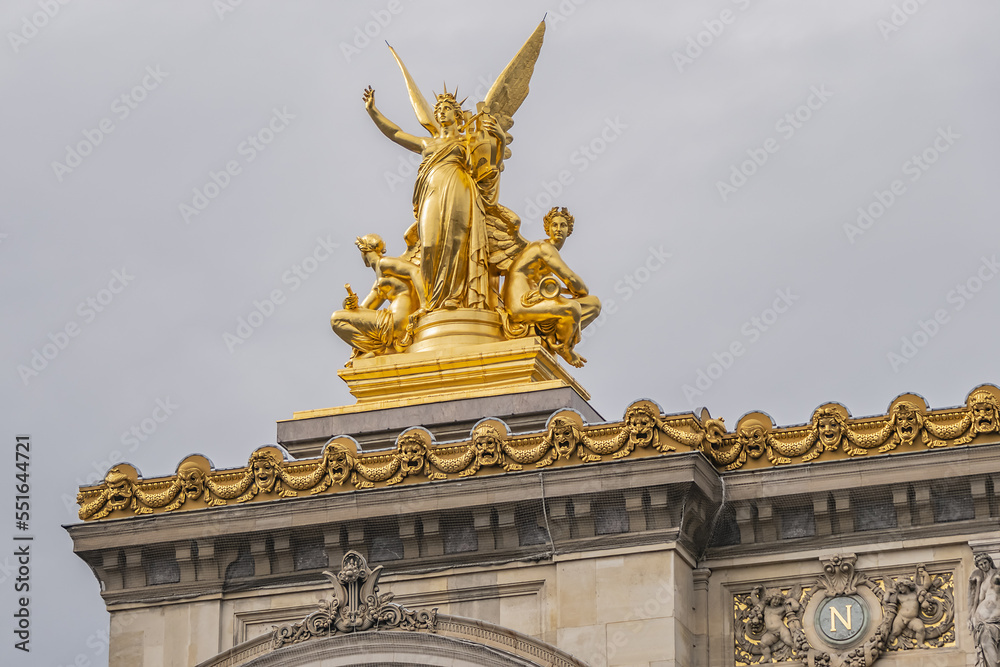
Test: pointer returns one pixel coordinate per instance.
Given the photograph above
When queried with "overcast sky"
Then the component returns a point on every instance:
(715, 155)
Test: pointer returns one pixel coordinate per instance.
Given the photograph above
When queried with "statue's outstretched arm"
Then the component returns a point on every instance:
(390, 129)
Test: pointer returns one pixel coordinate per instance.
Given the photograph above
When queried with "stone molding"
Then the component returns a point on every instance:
(462, 641)
(652, 508)
(908, 427)
(244, 620)
(678, 507)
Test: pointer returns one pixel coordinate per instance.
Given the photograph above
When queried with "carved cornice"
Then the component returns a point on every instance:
(831, 434)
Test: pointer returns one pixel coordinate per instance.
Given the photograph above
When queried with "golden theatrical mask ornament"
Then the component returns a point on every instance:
(491, 448)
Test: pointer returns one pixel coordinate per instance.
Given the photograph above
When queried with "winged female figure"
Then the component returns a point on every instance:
(456, 192)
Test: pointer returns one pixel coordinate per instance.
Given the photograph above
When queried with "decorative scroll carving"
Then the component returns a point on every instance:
(491, 449)
(839, 576)
(846, 618)
(356, 606)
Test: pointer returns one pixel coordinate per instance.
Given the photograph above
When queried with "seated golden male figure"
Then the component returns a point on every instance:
(558, 318)
(367, 329)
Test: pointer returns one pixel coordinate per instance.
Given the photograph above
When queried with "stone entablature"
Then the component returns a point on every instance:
(907, 427)
(505, 518)
(415, 528)
(927, 494)
(260, 564)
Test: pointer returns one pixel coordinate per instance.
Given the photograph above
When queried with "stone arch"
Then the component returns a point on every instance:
(396, 649)
(456, 642)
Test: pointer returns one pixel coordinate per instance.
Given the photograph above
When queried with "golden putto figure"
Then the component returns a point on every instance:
(462, 242)
(371, 331)
(534, 296)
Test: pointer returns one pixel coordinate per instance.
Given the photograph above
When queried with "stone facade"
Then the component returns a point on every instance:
(659, 561)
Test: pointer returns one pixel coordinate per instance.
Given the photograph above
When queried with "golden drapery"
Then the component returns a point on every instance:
(449, 203)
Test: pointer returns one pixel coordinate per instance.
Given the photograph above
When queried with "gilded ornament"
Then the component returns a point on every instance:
(466, 264)
(775, 617)
(368, 330)
(544, 296)
(411, 452)
(845, 618)
(563, 437)
(567, 440)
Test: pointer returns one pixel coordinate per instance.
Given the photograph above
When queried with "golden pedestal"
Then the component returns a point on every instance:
(450, 330)
(447, 371)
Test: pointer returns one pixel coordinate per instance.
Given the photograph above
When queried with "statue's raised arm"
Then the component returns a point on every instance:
(388, 128)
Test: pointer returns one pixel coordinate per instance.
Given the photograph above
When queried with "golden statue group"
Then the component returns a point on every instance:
(462, 242)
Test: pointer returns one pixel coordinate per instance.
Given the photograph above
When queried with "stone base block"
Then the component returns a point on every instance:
(480, 370)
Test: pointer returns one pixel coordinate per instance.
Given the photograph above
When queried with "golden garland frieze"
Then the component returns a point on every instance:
(270, 474)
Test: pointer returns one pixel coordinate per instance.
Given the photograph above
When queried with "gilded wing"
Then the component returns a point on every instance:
(421, 107)
(504, 236)
(511, 87)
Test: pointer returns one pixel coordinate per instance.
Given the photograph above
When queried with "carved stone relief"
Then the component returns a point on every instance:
(845, 618)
